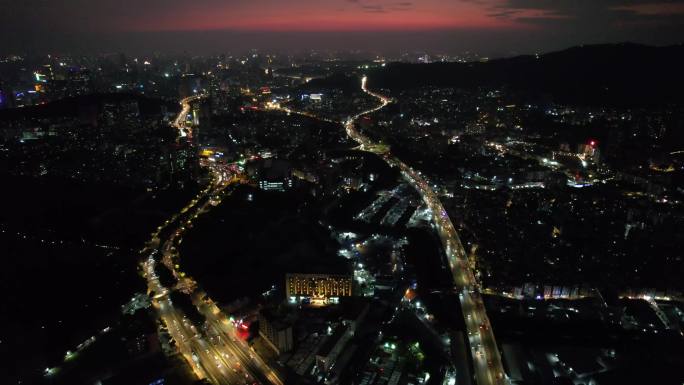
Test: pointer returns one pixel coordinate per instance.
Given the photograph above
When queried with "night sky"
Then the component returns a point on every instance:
(487, 26)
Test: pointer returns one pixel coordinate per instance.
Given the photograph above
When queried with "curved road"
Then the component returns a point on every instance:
(213, 351)
(211, 357)
(179, 122)
(486, 358)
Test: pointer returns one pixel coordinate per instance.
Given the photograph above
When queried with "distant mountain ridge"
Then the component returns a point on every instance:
(623, 74)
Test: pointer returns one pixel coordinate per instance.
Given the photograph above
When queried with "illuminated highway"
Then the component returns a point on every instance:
(212, 350)
(487, 364)
(179, 123)
(278, 106)
(205, 360)
(484, 351)
(217, 354)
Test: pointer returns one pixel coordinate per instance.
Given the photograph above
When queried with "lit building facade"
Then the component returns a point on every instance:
(317, 288)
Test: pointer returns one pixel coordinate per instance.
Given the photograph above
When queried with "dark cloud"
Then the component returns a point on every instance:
(608, 10)
(593, 21)
(503, 14)
(382, 7)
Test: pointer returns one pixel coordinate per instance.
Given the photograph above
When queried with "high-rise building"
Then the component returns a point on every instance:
(269, 68)
(276, 331)
(317, 288)
(331, 349)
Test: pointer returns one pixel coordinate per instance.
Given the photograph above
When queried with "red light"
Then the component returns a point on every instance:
(592, 143)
